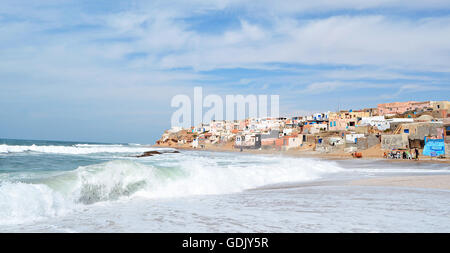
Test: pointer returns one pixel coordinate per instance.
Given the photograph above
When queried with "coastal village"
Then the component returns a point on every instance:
(398, 130)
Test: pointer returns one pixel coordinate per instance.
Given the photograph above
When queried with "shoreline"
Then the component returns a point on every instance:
(308, 154)
(441, 182)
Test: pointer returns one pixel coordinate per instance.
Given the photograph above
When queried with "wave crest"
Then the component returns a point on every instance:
(180, 176)
(20, 202)
(76, 149)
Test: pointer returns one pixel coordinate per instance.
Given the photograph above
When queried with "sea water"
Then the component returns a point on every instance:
(48, 186)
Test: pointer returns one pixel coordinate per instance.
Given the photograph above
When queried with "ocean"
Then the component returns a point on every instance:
(53, 186)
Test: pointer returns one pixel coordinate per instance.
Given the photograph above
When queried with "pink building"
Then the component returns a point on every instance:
(338, 124)
(401, 107)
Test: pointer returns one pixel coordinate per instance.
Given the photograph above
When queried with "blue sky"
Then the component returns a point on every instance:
(107, 70)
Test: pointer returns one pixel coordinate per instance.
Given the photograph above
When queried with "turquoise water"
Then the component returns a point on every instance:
(48, 186)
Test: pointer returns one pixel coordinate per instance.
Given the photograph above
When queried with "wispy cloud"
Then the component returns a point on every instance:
(71, 54)
(414, 88)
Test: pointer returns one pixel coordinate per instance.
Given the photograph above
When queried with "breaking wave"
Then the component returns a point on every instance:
(177, 177)
(76, 149)
(21, 202)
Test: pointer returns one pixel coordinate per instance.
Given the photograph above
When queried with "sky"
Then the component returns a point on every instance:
(106, 71)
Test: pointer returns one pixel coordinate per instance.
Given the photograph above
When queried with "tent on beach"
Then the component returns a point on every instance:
(434, 147)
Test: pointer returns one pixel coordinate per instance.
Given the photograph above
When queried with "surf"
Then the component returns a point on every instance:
(169, 176)
(78, 149)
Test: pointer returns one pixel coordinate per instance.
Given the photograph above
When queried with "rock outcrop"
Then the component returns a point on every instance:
(154, 152)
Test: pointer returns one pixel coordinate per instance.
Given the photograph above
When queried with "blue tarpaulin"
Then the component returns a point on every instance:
(434, 147)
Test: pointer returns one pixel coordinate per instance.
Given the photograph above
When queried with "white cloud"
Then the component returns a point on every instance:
(412, 88)
(112, 66)
(361, 40)
(158, 32)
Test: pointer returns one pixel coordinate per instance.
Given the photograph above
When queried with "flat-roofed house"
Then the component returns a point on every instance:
(290, 142)
(401, 107)
(248, 141)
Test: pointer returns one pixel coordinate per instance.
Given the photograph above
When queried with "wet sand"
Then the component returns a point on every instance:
(433, 182)
(430, 181)
(373, 153)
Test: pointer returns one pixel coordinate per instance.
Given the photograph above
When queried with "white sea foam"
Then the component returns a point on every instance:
(187, 175)
(20, 202)
(77, 149)
(207, 176)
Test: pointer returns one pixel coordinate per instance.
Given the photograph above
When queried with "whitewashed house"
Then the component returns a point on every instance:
(195, 143)
(378, 122)
(352, 138)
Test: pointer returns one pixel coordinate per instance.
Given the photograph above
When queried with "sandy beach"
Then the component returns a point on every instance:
(429, 181)
(373, 153)
(433, 182)
(216, 190)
